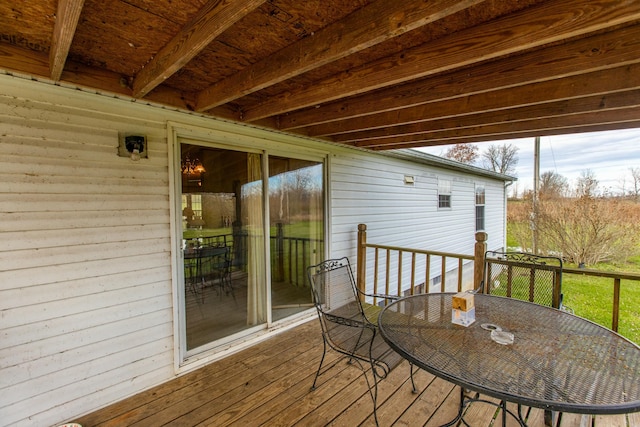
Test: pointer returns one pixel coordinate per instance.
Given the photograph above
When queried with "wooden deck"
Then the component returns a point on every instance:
(269, 384)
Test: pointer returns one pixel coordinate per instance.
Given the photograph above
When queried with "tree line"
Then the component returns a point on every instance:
(582, 223)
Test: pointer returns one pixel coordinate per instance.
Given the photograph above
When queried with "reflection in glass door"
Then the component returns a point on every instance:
(296, 218)
(223, 243)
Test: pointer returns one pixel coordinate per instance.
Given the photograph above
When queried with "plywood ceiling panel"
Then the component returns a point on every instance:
(371, 73)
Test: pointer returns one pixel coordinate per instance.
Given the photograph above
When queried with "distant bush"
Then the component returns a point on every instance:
(583, 229)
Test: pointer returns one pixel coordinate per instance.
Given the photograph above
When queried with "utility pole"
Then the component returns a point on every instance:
(536, 188)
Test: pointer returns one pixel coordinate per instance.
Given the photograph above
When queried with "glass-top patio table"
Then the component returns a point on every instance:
(557, 361)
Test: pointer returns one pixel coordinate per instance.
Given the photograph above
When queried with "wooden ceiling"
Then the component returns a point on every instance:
(378, 74)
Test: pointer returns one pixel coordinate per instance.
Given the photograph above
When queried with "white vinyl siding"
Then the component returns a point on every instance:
(369, 189)
(85, 263)
(86, 281)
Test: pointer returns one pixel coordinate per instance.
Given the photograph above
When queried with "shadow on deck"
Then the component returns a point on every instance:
(269, 384)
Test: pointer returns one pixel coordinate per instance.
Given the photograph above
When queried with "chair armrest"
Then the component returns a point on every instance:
(382, 296)
(348, 322)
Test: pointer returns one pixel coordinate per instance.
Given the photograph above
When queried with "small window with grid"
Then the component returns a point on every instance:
(444, 193)
(480, 203)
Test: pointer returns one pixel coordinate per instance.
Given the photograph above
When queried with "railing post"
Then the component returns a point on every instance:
(616, 304)
(478, 259)
(279, 251)
(362, 257)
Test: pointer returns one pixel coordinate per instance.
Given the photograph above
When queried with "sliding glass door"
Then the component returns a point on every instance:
(296, 218)
(227, 254)
(223, 242)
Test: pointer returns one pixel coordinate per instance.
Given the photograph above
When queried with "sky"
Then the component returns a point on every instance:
(609, 155)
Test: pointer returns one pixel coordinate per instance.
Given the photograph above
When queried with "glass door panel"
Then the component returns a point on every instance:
(223, 243)
(296, 218)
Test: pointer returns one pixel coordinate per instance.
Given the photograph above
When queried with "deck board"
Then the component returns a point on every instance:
(269, 384)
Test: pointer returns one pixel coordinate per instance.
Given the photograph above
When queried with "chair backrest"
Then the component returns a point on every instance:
(215, 261)
(524, 276)
(334, 273)
(346, 328)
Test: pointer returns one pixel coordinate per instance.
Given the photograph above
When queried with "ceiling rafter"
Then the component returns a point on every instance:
(619, 113)
(211, 21)
(539, 25)
(373, 24)
(598, 82)
(574, 123)
(67, 18)
(396, 134)
(608, 50)
(537, 131)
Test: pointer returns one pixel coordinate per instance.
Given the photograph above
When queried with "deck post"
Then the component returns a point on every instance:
(280, 252)
(478, 261)
(362, 257)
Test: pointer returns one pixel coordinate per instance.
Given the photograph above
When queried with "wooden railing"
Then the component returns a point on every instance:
(616, 277)
(422, 266)
(290, 256)
(394, 280)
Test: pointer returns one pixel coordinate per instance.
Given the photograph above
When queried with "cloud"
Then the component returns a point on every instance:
(609, 155)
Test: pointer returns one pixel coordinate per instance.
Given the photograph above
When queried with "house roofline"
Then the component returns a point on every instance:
(433, 160)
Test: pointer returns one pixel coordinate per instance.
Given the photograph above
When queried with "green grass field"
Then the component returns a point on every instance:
(592, 297)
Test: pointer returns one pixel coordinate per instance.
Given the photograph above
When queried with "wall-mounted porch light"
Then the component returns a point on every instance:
(133, 146)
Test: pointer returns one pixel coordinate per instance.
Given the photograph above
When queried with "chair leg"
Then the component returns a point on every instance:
(375, 403)
(203, 285)
(324, 352)
(374, 392)
(414, 389)
(229, 283)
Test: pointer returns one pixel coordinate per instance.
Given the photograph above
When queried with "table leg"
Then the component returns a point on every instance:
(464, 401)
(460, 410)
(549, 417)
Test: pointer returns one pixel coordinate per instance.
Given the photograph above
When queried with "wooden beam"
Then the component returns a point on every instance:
(26, 61)
(598, 82)
(546, 23)
(524, 134)
(515, 129)
(211, 21)
(603, 50)
(65, 27)
(22, 61)
(36, 64)
(369, 26)
(587, 104)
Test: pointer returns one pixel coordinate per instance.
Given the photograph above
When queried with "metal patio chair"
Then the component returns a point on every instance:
(528, 277)
(215, 266)
(191, 275)
(351, 329)
(525, 276)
